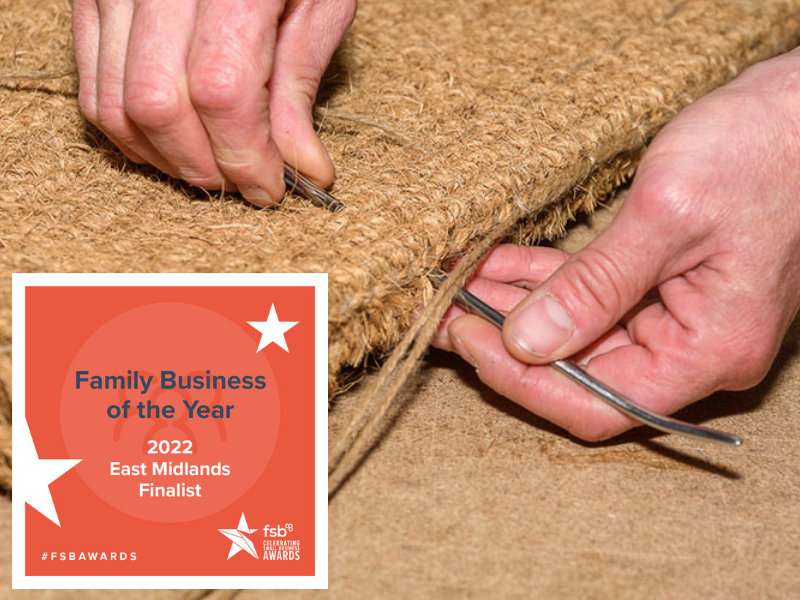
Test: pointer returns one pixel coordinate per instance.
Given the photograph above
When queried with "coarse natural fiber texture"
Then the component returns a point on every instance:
(447, 122)
(470, 496)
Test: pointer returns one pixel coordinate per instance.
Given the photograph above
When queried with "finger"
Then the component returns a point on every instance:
(115, 21)
(661, 380)
(539, 389)
(594, 289)
(616, 338)
(230, 62)
(86, 34)
(156, 96)
(509, 263)
(309, 34)
(501, 296)
(702, 321)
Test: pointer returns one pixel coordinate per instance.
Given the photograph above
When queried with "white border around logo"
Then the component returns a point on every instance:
(319, 281)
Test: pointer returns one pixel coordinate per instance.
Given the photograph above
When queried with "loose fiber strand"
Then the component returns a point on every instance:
(356, 440)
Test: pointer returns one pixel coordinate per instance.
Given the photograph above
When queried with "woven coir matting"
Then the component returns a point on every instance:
(448, 122)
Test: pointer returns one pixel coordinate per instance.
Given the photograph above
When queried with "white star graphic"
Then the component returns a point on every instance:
(272, 330)
(38, 474)
(239, 541)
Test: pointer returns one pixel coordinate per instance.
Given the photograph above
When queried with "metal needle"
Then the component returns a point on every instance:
(578, 375)
(302, 186)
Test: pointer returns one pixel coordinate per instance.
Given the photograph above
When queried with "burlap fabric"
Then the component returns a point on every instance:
(470, 496)
(448, 122)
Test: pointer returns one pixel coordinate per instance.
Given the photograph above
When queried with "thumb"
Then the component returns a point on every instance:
(588, 294)
(309, 35)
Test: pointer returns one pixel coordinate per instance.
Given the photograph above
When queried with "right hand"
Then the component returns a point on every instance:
(218, 93)
(700, 267)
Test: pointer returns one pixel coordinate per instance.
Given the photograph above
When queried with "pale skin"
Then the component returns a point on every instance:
(218, 93)
(689, 291)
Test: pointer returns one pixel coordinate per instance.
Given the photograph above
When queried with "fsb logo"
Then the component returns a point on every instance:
(279, 531)
(275, 549)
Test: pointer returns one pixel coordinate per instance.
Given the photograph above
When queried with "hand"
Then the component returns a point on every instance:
(214, 92)
(691, 288)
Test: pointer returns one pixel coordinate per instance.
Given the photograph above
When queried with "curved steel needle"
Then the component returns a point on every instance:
(668, 424)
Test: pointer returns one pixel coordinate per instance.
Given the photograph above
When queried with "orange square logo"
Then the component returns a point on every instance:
(170, 431)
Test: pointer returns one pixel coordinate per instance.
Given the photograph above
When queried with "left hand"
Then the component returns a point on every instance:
(218, 93)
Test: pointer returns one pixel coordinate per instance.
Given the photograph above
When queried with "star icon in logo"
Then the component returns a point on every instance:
(272, 330)
(240, 542)
(39, 474)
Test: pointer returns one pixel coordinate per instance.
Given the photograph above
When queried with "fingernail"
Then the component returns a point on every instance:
(256, 194)
(461, 348)
(542, 327)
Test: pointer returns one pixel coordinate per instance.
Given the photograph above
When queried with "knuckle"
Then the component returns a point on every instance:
(664, 195)
(533, 263)
(87, 103)
(217, 87)
(595, 282)
(489, 372)
(529, 384)
(670, 202)
(738, 354)
(239, 172)
(254, 164)
(748, 364)
(306, 84)
(111, 114)
(153, 103)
